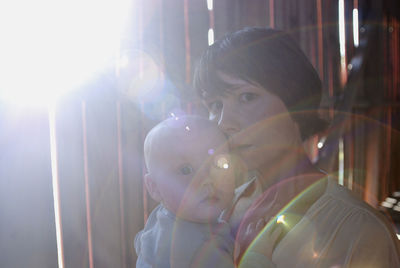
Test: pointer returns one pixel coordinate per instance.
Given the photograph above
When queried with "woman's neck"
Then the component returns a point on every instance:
(290, 165)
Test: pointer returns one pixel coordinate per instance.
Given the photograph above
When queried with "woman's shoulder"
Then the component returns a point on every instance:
(340, 202)
(348, 199)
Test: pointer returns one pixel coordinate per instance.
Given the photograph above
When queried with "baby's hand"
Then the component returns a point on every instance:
(266, 239)
(254, 228)
(247, 236)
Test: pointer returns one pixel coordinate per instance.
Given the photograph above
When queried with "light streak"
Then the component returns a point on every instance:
(56, 187)
(355, 28)
(210, 37)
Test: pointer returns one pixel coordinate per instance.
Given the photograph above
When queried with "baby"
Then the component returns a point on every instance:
(190, 173)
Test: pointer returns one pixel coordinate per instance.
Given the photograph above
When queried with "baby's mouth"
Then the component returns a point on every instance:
(211, 199)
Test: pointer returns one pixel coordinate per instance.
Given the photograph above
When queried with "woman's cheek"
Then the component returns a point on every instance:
(252, 114)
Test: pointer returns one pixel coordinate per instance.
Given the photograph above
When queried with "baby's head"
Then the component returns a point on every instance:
(189, 168)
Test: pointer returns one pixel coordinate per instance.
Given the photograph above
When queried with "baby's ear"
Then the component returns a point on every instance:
(152, 187)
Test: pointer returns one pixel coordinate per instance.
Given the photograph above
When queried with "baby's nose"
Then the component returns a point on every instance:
(208, 187)
(207, 180)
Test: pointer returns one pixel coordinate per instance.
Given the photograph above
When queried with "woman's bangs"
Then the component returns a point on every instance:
(208, 83)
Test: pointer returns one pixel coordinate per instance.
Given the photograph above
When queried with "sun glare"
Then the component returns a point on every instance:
(51, 47)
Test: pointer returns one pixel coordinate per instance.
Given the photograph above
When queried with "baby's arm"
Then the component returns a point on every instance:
(212, 255)
(217, 251)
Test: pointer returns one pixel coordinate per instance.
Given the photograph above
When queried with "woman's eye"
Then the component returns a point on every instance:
(246, 97)
(186, 170)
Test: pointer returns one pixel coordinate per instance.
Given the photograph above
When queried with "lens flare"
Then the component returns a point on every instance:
(280, 219)
(222, 162)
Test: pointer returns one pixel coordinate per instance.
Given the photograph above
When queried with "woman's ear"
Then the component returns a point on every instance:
(152, 187)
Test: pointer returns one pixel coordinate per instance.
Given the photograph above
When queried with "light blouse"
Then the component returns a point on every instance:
(337, 230)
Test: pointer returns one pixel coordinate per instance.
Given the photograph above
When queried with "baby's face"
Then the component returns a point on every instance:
(195, 175)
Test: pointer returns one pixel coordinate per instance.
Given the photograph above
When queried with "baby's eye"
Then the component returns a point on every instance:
(186, 169)
(248, 96)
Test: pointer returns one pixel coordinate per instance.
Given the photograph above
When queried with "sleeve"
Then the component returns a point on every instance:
(255, 260)
(376, 246)
(140, 262)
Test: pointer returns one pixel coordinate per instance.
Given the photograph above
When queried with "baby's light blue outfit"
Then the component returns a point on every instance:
(167, 241)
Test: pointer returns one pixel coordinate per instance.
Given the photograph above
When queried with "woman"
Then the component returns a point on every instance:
(264, 95)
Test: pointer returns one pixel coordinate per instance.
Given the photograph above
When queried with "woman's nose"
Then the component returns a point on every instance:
(228, 121)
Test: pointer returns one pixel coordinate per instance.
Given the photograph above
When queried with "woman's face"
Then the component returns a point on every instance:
(257, 123)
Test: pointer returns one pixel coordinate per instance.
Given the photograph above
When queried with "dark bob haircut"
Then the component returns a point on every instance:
(272, 59)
